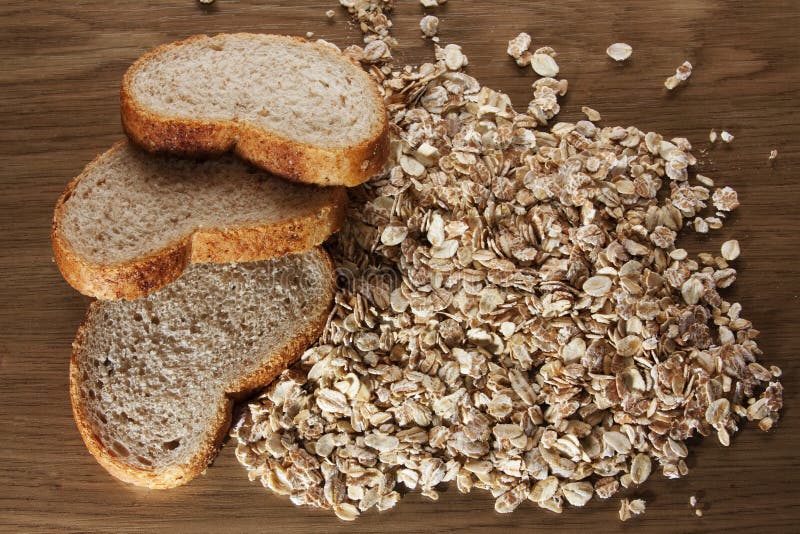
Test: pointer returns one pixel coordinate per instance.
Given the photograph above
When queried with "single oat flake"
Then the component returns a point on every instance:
(619, 51)
(730, 250)
(591, 114)
(518, 49)
(429, 25)
(544, 65)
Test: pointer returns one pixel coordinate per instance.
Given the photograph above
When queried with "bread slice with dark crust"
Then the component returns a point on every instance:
(132, 222)
(301, 110)
(153, 380)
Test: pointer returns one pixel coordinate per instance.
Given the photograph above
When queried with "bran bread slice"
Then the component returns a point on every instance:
(301, 110)
(153, 380)
(132, 222)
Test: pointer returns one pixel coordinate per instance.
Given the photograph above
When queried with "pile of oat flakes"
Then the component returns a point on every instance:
(513, 315)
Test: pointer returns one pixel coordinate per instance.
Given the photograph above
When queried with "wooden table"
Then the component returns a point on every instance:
(60, 69)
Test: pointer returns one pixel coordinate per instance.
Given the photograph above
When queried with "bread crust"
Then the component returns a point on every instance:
(138, 277)
(294, 160)
(178, 475)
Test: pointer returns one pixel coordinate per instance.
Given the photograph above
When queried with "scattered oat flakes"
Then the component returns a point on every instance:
(544, 65)
(373, 20)
(698, 512)
(693, 501)
(515, 316)
(430, 3)
(730, 250)
(712, 136)
(309, 35)
(773, 154)
(330, 13)
(429, 25)
(726, 136)
(206, 2)
(619, 51)
(591, 114)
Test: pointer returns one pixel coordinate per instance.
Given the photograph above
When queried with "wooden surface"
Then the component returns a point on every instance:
(60, 68)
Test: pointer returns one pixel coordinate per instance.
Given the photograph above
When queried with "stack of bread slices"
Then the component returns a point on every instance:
(199, 236)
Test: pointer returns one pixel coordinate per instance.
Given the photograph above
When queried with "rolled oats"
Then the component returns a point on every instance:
(518, 49)
(730, 250)
(513, 312)
(619, 51)
(544, 65)
(429, 25)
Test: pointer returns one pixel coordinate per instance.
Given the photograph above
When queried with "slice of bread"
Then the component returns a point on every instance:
(302, 110)
(132, 222)
(153, 380)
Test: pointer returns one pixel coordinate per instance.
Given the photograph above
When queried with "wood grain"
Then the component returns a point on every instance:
(60, 69)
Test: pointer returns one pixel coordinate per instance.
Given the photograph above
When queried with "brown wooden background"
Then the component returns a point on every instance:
(60, 68)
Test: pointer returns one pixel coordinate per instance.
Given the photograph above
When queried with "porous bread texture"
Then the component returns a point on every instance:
(281, 85)
(131, 222)
(153, 380)
(302, 110)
